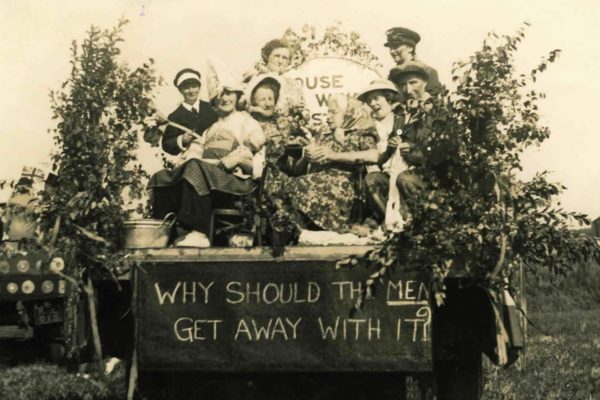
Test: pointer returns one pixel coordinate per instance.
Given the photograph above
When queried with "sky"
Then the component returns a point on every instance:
(35, 36)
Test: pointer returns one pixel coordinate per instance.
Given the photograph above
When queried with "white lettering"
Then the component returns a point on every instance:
(164, 295)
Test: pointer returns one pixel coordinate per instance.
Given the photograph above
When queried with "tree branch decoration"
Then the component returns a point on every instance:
(334, 42)
(101, 112)
(477, 215)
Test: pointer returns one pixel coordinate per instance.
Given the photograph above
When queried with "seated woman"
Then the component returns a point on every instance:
(391, 182)
(263, 95)
(326, 195)
(228, 159)
(275, 60)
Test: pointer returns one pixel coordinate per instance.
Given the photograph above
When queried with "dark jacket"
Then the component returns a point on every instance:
(414, 133)
(197, 122)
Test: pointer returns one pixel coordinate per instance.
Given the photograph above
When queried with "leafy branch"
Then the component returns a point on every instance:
(477, 216)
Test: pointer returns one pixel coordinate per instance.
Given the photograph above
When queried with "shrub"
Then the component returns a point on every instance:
(49, 382)
(476, 215)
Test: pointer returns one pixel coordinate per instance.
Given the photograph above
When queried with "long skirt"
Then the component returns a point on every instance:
(186, 190)
(326, 198)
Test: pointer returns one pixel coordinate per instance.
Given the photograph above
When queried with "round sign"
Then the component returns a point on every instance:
(322, 77)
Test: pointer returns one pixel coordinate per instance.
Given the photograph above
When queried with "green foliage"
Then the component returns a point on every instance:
(580, 289)
(100, 111)
(49, 382)
(476, 215)
(560, 363)
(334, 42)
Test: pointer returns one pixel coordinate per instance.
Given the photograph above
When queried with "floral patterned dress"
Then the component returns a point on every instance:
(276, 140)
(326, 195)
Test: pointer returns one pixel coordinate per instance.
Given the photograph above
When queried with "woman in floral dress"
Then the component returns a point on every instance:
(326, 195)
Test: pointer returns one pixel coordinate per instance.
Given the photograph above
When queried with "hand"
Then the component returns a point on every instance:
(298, 140)
(231, 160)
(404, 148)
(397, 143)
(318, 154)
(187, 138)
(243, 151)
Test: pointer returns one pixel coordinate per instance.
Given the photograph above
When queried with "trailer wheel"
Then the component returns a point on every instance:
(50, 340)
(460, 379)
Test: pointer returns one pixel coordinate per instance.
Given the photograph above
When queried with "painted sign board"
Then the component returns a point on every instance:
(260, 316)
(321, 77)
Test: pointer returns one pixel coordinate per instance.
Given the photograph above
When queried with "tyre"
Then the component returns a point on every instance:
(460, 379)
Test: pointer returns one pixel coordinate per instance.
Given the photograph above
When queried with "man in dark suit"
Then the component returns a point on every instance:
(193, 113)
(402, 43)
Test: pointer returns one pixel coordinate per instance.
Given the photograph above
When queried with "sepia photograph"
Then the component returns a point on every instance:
(311, 200)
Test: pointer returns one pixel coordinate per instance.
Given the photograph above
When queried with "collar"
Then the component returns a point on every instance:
(188, 107)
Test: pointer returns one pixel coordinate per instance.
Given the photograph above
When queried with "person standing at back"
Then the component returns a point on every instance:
(402, 43)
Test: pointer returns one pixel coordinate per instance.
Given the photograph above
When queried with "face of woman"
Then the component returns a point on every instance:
(227, 102)
(278, 60)
(264, 98)
(413, 86)
(190, 90)
(335, 114)
(379, 105)
(402, 53)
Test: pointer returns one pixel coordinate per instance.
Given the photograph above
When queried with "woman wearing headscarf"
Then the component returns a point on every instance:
(228, 158)
(263, 94)
(327, 194)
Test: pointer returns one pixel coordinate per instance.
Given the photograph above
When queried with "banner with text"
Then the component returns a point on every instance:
(284, 316)
(322, 77)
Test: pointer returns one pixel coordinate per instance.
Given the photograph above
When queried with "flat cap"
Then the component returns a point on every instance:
(410, 67)
(397, 36)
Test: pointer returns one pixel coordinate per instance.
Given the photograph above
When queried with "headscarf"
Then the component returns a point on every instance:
(260, 79)
(357, 116)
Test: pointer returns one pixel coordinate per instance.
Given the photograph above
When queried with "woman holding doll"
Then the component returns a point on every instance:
(227, 159)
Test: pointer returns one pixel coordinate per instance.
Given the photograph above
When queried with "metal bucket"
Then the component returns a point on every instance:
(148, 233)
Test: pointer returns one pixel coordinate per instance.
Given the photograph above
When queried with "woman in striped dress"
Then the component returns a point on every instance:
(227, 159)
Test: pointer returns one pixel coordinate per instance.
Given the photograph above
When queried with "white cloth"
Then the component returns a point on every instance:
(327, 238)
(383, 128)
(245, 130)
(393, 218)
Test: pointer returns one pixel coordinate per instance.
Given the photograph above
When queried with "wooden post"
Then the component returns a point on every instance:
(89, 290)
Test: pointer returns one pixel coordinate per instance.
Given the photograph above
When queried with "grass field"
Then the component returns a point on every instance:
(560, 363)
